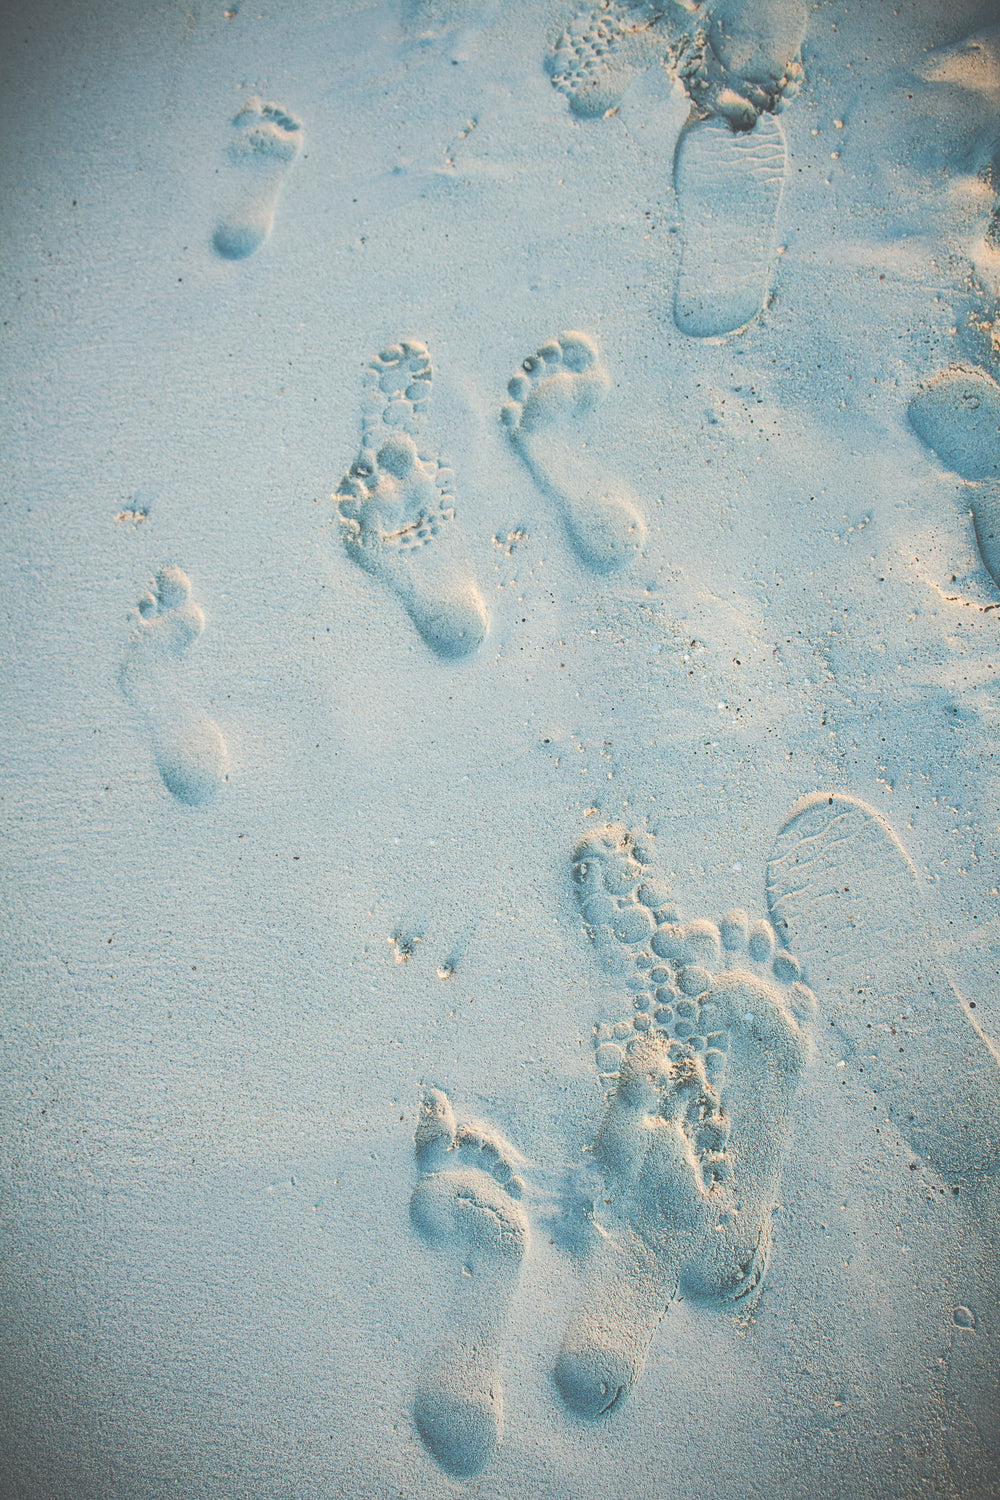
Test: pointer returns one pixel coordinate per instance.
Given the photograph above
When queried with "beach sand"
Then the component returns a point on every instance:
(501, 584)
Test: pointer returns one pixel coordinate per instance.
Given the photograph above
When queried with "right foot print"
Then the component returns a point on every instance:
(957, 415)
(266, 142)
(396, 507)
(843, 889)
(553, 390)
(702, 1074)
(190, 752)
(465, 1203)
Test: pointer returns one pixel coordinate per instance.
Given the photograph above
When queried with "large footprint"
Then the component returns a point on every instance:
(555, 388)
(729, 168)
(957, 415)
(266, 142)
(701, 1071)
(729, 184)
(189, 750)
(465, 1203)
(397, 510)
(842, 888)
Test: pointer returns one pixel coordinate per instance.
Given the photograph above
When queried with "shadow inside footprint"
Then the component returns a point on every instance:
(557, 386)
(266, 142)
(841, 887)
(189, 750)
(729, 184)
(396, 509)
(466, 1204)
(702, 1068)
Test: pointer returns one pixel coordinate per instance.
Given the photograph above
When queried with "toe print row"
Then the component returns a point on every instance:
(701, 1067)
(188, 748)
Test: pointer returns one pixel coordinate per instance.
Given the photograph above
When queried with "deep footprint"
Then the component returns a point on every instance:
(189, 750)
(397, 508)
(957, 415)
(266, 142)
(701, 1071)
(557, 386)
(729, 185)
(465, 1203)
(842, 888)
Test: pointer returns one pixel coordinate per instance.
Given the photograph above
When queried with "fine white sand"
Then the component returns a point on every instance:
(501, 906)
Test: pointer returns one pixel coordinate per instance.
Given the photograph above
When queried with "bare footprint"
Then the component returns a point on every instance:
(729, 184)
(555, 388)
(266, 142)
(957, 415)
(465, 1203)
(841, 887)
(701, 1071)
(397, 508)
(189, 750)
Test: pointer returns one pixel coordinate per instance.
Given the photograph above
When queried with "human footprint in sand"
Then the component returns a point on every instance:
(466, 1203)
(265, 142)
(397, 508)
(190, 752)
(739, 62)
(702, 1073)
(554, 390)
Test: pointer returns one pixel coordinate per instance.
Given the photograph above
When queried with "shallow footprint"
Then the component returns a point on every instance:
(189, 750)
(397, 509)
(266, 142)
(702, 1065)
(957, 415)
(554, 389)
(465, 1203)
(841, 887)
(729, 184)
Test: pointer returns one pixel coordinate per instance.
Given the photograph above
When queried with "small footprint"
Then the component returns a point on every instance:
(957, 415)
(841, 887)
(602, 50)
(701, 1069)
(465, 1203)
(397, 507)
(729, 185)
(554, 389)
(266, 142)
(189, 750)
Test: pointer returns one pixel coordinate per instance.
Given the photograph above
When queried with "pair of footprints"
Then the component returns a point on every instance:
(701, 1068)
(396, 504)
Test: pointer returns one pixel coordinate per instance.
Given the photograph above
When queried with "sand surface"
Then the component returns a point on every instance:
(501, 903)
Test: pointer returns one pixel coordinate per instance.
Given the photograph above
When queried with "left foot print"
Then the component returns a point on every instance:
(556, 386)
(265, 143)
(957, 416)
(702, 1074)
(465, 1203)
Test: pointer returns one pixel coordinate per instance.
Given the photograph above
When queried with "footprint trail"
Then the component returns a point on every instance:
(466, 1204)
(841, 887)
(265, 143)
(556, 387)
(701, 1065)
(397, 508)
(189, 750)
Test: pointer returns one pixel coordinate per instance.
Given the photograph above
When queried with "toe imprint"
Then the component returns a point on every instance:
(471, 1212)
(556, 387)
(189, 750)
(266, 141)
(396, 507)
